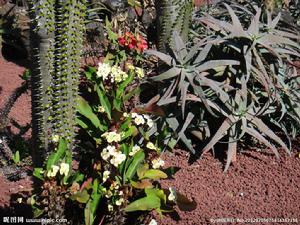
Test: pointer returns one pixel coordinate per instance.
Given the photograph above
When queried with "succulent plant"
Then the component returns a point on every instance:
(56, 34)
(173, 15)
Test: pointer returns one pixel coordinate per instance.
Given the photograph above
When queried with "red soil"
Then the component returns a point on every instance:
(257, 186)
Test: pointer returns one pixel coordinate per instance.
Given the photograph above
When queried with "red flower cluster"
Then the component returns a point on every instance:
(133, 42)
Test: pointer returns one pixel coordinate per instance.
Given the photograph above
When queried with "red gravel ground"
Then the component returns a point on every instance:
(257, 187)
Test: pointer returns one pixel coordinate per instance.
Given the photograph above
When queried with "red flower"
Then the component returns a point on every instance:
(129, 40)
(141, 44)
(122, 41)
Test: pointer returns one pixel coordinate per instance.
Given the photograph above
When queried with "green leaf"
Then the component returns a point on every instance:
(137, 160)
(143, 184)
(158, 192)
(141, 170)
(123, 85)
(144, 204)
(81, 197)
(88, 216)
(155, 174)
(57, 155)
(38, 173)
(132, 93)
(85, 109)
(104, 101)
(16, 157)
(89, 73)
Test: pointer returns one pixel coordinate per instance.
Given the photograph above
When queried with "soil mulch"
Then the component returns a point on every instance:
(257, 186)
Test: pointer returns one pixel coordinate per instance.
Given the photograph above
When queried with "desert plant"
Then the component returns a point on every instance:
(56, 33)
(243, 96)
(187, 82)
(172, 16)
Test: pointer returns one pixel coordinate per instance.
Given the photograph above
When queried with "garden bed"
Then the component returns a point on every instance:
(256, 186)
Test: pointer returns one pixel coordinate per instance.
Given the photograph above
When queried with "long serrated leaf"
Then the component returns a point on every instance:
(215, 63)
(267, 131)
(222, 131)
(254, 26)
(180, 48)
(231, 152)
(173, 72)
(203, 54)
(164, 57)
(187, 122)
(254, 133)
(238, 29)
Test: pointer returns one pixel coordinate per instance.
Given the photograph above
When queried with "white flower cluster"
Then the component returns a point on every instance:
(112, 73)
(105, 175)
(134, 150)
(142, 119)
(116, 157)
(63, 169)
(139, 71)
(112, 136)
(157, 163)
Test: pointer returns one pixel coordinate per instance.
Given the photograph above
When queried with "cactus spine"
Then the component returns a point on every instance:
(57, 28)
(172, 15)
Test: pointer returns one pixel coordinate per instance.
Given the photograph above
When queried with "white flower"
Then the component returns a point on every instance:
(134, 150)
(157, 163)
(133, 115)
(139, 72)
(105, 154)
(150, 123)
(104, 70)
(64, 169)
(101, 109)
(125, 114)
(139, 120)
(153, 222)
(53, 171)
(108, 194)
(151, 146)
(121, 192)
(115, 185)
(117, 159)
(117, 74)
(111, 150)
(110, 207)
(172, 196)
(129, 66)
(55, 138)
(106, 174)
(112, 136)
(119, 201)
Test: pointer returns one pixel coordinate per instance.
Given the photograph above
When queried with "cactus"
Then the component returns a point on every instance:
(172, 15)
(57, 28)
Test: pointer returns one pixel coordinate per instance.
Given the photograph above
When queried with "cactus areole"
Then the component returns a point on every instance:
(57, 30)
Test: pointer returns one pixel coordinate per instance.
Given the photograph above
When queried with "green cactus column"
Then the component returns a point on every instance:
(57, 29)
(172, 15)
